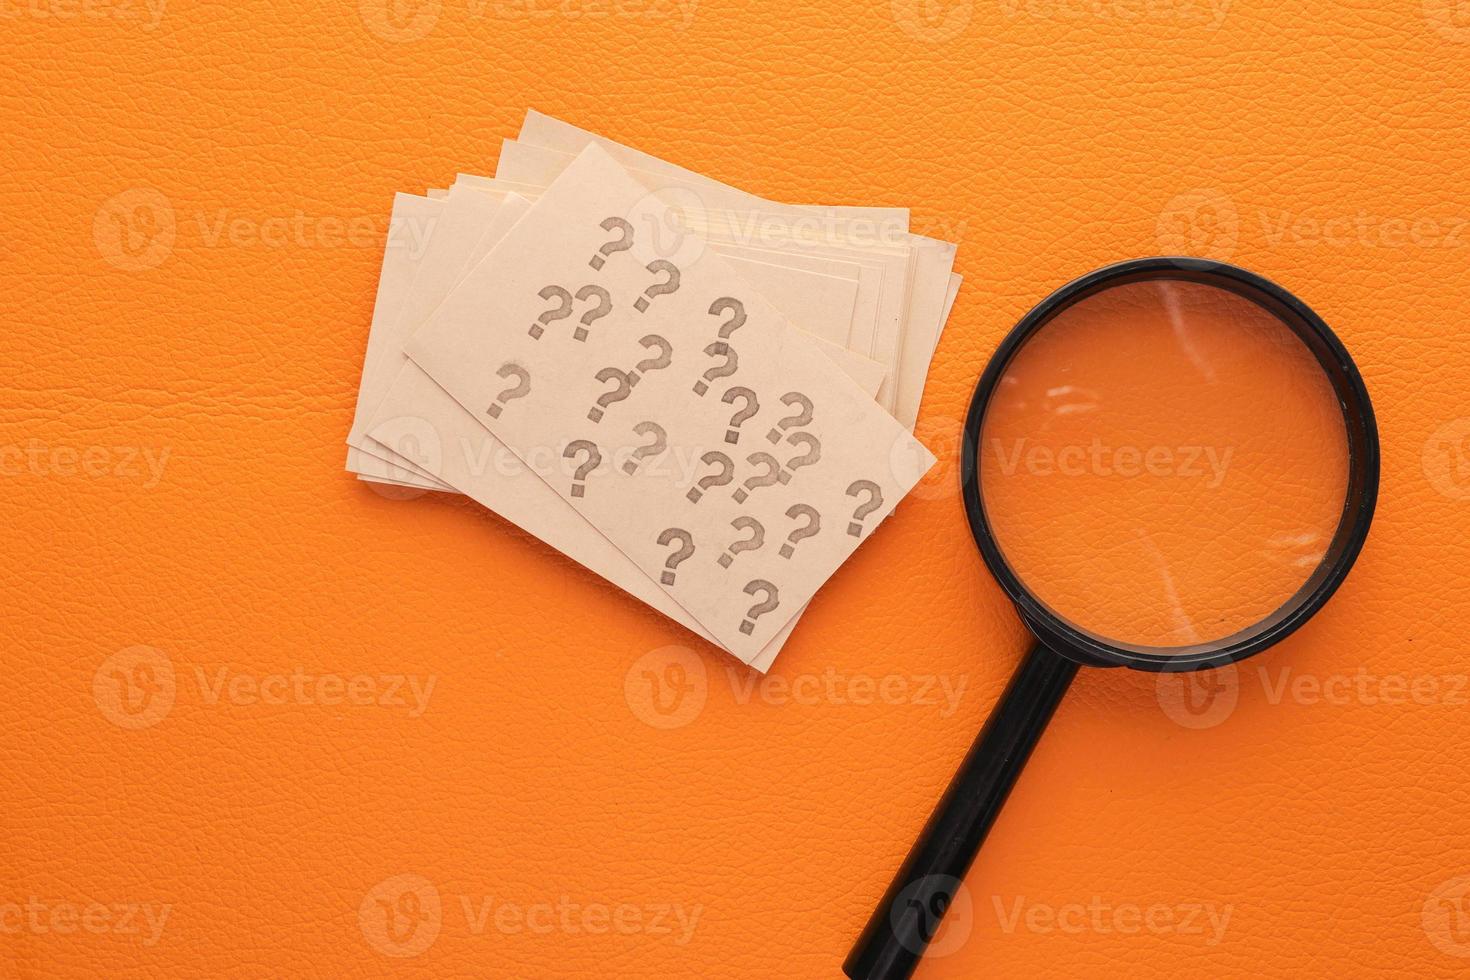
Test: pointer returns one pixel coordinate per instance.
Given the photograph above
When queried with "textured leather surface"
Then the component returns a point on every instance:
(193, 207)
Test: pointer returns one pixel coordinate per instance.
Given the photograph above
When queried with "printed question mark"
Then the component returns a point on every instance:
(594, 460)
(560, 312)
(747, 626)
(669, 284)
(608, 398)
(756, 539)
(771, 477)
(685, 549)
(718, 349)
(752, 405)
(802, 416)
(812, 454)
(657, 445)
(875, 500)
(803, 531)
(658, 362)
(520, 389)
(736, 309)
(602, 309)
(622, 243)
(718, 460)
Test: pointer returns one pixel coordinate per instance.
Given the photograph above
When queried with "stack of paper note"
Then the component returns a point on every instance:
(703, 396)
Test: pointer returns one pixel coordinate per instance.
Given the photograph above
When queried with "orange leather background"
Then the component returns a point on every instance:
(1320, 144)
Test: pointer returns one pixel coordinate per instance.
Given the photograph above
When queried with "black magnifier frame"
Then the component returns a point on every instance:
(910, 912)
(1358, 504)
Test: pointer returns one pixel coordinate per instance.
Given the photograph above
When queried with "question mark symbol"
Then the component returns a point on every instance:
(725, 467)
(747, 626)
(559, 312)
(771, 477)
(736, 309)
(875, 500)
(685, 549)
(607, 398)
(752, 405)
(801, 417)
(602, 309)
(756, 539)
(520, 389)
(594, 459)
(732, 362)
(658, 362)
(655, 446)
(802, 531)
(812, 454)
(623, 242)
(669, 284)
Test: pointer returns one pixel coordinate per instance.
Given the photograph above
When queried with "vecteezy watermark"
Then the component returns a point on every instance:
(1450, 19)
(402, 916)
(1207, 13)
(1446, 459)
(147, 13)
(140, 922)
(1098, 916)
(669, 687)
(1446, 917)
(1208, 223)
(1204, 699)
(677, 221)
(403, 21)
(129, 464)
(137, 688)
(135, 230)
(933, 21)
(941, 911)
(1201, 222)
(139, 229)
(1208, 463)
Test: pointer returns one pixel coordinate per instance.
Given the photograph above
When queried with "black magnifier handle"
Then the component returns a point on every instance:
(908, 915)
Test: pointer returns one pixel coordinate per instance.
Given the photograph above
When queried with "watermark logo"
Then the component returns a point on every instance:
(401, 916)
(1204, 699)
(943, 912)
(139, 229)
(933, 21)
(1210, 13)
(413, 440)
(1446, 459)
(135, 230)
(1206, 920)
(138, 687)
(399, 21)
(667, 688)
(1450, 19)
(37, 917)
(679, 11)
(149, 12)
(1198, 698)
(135, 687)
(662, 224)
(1446, 917)
(404, 21)
(1205, 463)
(1202, 223)
(130, 464)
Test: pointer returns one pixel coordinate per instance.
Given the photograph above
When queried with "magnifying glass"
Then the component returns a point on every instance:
(1170, 464)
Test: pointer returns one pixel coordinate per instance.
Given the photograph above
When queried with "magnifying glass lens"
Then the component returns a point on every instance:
(1163, 463)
